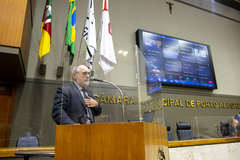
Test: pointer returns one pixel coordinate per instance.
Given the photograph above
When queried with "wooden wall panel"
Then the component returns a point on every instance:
(12, 21)
(7, 97)
(119, 141)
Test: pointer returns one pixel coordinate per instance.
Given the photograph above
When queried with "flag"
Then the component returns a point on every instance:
(71, 30)
(89, 34)
(46, 30)
(107, 54)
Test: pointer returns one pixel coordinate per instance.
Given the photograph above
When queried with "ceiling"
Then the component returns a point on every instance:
(235, 4)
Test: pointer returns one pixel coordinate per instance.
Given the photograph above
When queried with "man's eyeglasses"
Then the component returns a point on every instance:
(86, 73)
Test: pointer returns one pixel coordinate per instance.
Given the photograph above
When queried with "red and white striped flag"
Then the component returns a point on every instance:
(46, 29)
(107, 54)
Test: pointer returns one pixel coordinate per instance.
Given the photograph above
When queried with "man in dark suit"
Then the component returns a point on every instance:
(232, 128)
(73, 103)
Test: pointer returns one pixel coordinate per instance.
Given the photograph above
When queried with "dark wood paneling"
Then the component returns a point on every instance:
(7, 98)
(6, 89)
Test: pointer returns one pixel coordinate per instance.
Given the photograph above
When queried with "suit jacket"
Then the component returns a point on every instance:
(69, 105)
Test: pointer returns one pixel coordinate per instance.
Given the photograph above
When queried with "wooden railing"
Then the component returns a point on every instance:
(10, 152)
(202, 142)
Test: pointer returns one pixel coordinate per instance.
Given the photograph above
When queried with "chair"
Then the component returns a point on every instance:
(169, 133)
(27, 141)
(184, 131)
(224, 128)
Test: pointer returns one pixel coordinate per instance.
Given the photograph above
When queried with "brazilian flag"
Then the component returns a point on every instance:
(71, 30)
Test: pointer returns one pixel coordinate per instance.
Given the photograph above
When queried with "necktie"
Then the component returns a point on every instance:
(89, 111)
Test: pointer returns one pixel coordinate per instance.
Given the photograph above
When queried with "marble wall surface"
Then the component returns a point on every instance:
(227, 151)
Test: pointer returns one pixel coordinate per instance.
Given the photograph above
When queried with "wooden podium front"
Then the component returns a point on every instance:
(108, 141)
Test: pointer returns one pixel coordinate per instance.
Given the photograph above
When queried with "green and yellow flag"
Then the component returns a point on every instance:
(71, 30)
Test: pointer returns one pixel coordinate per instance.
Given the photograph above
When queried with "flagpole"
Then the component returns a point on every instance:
(60, 67)
(80, 44)
(61, 61)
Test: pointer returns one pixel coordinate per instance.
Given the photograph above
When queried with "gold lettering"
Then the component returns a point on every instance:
(228, 105)
(176, 103)
(231, 105)
(109, 100)
(119, 100)
(132, 101)
(215, 104)
(158, 103)
(235, 105)
(221, 105)
(96, 97)
(181, 103)
(207, 104)
(187, 103)
(102, 98)
(224, 105)
(171, 102)
(198, 103)
(192, 103)
(211, 104)
(164, 102)
(126, 99)
(203, 104)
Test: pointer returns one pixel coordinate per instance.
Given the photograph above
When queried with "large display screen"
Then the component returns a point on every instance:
(174, 61)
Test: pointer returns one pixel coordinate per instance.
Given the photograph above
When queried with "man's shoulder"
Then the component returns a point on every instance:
(67, 85)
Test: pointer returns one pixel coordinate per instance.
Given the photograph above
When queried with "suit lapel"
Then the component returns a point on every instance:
(76, 90)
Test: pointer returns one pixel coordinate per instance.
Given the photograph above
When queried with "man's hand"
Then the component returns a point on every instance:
(91, 102)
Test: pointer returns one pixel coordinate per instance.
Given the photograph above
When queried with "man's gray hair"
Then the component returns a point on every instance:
(76, 69)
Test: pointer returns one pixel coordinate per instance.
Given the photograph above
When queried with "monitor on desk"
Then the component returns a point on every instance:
(147, 117)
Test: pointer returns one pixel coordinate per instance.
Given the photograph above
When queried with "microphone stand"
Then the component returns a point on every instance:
(218, 130)
(95, 79)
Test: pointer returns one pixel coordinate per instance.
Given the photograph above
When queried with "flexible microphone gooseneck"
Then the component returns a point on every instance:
(96, 79)
(99, 80)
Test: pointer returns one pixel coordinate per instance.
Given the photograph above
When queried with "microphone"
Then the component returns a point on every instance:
(99, 80)
(96, 79)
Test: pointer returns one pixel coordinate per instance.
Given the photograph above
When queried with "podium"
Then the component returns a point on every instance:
(108, 141)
